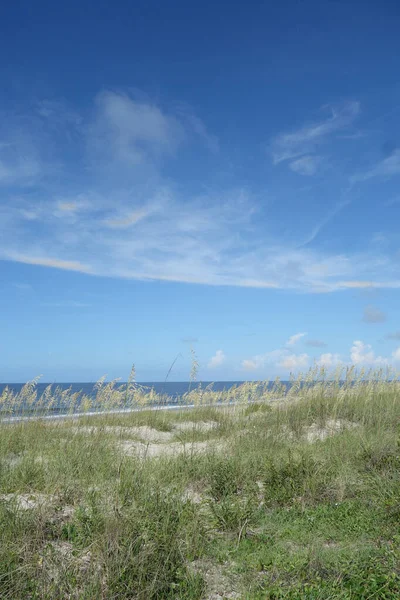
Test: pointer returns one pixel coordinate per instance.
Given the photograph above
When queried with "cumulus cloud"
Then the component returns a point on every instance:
(250, 364)
(396, 355)
(362, 354)
(328, 360)
(217, 360)
(281, 358)
(372, 314)
(294, 361)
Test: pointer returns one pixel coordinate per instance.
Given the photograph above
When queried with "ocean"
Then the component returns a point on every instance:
(171, 391)
(174, 389)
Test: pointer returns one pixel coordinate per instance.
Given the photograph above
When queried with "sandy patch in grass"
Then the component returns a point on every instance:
(316, 432)
(332, 427)
(195, 493)
(28, 501)
(34, 501)
(220, 583)
(146, 433)
(143, 432)
(131, 448)
(202, 426)
(59, 558)
(14, 460)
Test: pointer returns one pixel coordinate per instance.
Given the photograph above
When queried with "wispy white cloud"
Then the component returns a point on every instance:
(72, 206)
(387, 167)
(56, 263)
(336, 209)
(121, 216)
(129, 219)
(217, 360)
(199, 128)
(175, 243)
(306, 139)
(295, 338)
(305, 165)
(18, 170)
(132, 131)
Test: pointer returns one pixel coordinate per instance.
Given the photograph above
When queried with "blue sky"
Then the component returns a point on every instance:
(218, 176)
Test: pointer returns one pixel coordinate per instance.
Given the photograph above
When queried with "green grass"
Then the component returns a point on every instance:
(270, 512)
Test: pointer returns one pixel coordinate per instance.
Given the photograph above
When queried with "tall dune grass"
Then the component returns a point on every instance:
(271, 492)
(342, 384)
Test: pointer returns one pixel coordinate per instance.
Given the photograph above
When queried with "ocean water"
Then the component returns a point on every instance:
(174, 389)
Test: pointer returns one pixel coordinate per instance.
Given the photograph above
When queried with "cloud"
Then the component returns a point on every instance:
(18, 170)
(302, 141)
(396, 355)
(362, 354)
(261, 360)
(357, 284)
(294, 339)
(78, 204)
(103, 202)
(249, 364)
(198, 127)
(129, 219)
(68, 206)
(373, 315)
(306, 165)
(315, 343)
(328, 360)
(387, 167)
(280, 358)
(208, 241)
(395, 335)
(294, 361)
(217, 360)
(55, 263)
(132, 131)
